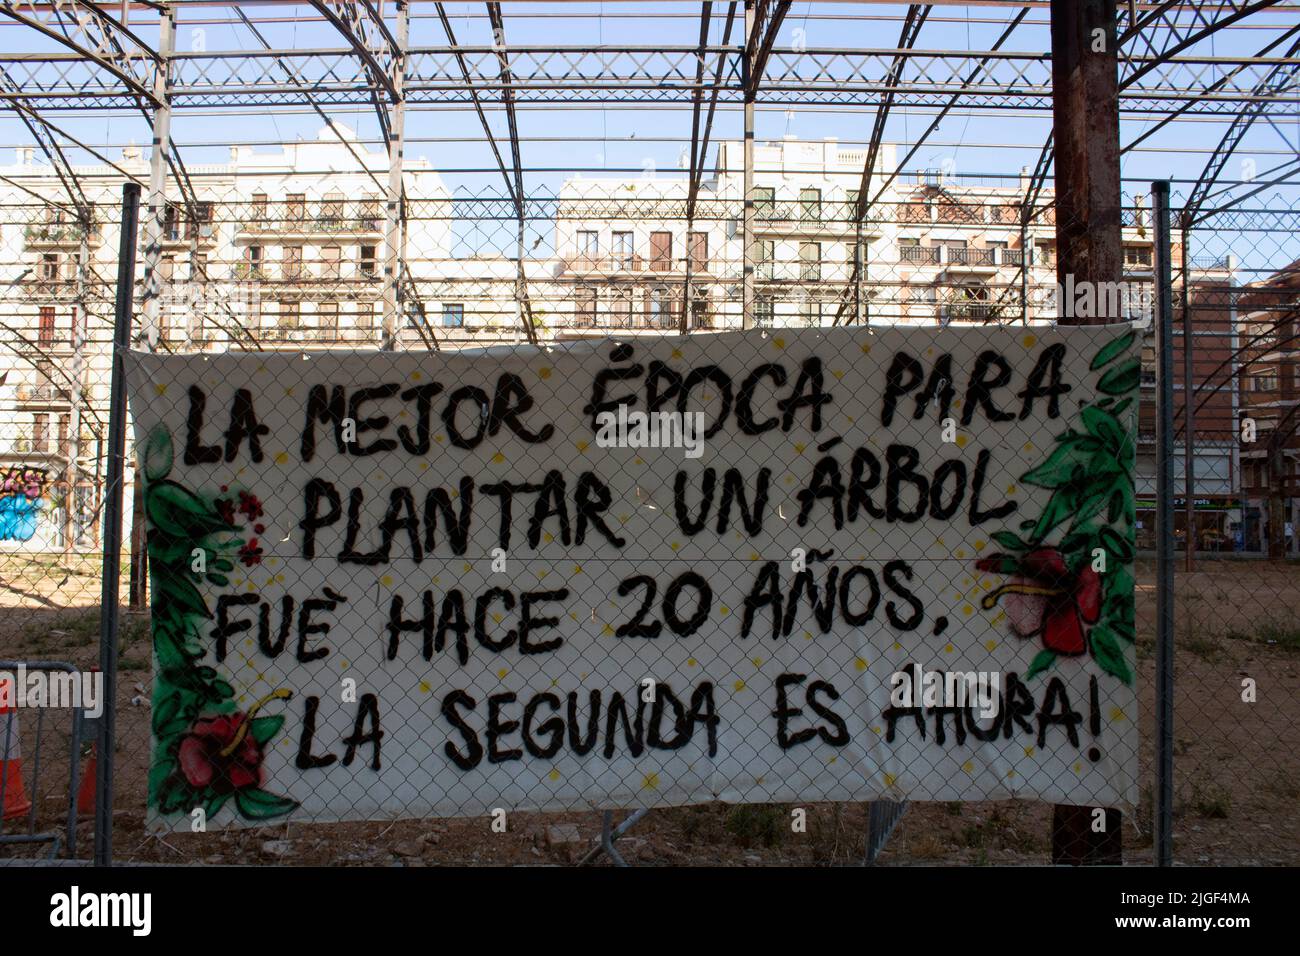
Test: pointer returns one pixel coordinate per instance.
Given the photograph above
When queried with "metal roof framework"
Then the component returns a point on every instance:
(104, 63)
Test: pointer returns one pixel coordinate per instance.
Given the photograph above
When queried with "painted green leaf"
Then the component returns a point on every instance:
(157, 454)
(1112, 350)
(1105, 426)
(1010, 541)
(180, 513)
(1116, 544)
(264, 728)
(1122, 378)
(1063, 504)
(260, 805)
(215, 803)
(1063, 462)
(1109, 654)
(1041, 662)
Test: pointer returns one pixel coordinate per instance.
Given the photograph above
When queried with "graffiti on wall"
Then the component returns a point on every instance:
(22, 496)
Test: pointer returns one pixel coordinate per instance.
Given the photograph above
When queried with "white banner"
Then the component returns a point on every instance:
(437, 584)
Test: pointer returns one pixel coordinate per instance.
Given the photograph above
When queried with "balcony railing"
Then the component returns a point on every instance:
(919, 255)
(313, 225)
(970, 257)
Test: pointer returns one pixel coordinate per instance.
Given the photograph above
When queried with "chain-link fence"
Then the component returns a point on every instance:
(278, 263)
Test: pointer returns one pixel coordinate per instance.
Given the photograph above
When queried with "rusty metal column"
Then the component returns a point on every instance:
(1189, 441)
(747, 228)
(393, 222)
(1085, 123)
(155, 224)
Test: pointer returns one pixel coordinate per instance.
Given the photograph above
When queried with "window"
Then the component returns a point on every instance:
(367, 262)
(810, 205)
(765, 202)
(589, 245)
(293, 262)
(327, 317)
(622, 307)
(50, 267)
(253, 260)
(623, 249)
(331, 258)
(172, 223)
(46, 334)
(453, 315)
(765, 256)
(1137, 256)
(699, 243)
(661, 309)
(1266, 382)
(764, 311)
(810, 261)
(811, 313)
(290, 315)
(584, 309)
(64, 446)
(331, 210)
(201, 225)
(850, 204)
(365, 315)
(259, 207)
(661, 251)
(370, 214)
(295, 207)
(40, 431)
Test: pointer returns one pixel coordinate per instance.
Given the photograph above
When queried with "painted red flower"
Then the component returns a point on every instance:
(226, 508)
(1044, 599)
(220, 754)
(251, 553)
(250, 505)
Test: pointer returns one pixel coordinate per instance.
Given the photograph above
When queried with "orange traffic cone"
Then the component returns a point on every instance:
(16, 803)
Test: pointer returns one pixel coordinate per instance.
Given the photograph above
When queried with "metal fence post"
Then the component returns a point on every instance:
(1164, 798)
(113, 523)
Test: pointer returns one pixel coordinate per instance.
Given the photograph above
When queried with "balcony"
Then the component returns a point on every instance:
(968, 312)
(42, 395)
(919, 255)
(58, 234)
(607, 265)
(970, 260)
(368, 226)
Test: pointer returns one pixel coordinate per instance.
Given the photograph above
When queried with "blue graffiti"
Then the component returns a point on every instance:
(20, 503)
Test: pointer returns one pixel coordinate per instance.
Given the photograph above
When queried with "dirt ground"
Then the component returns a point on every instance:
(1237, 763)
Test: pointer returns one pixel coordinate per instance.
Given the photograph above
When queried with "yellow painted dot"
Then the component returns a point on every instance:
(1117, 713)
(496, 616)
(1029, 446)
(607, 630)
(424, 466)
(961, 552)
(961, 441)
(544, 372)
(877, 730)
(890, 780)
(807, 635)
(897, 646)
(948, 648)
(581, 445)
(1078, 768)
(677, 353)
(757, 661)
(425, 687)
(416, 376)
(1001, 616)
(498, 458)
(548, 537)
(859, 663)
(1011, 489)
(967, 609)
(753, 555)
(724, 609)
(838, 373)
(1010, 774)
(739, 686)
(832, 760)
(160, 388)
(980, 544)
(1029, 751)
(779, 342)
(467, 567)
(281, 459)
(692, 662)
(289, 392)
(503, 672)
(1030, 341)
(386, 581)
(577, 569)
(554, 775)
(866, 349)
(344, 665)
(675, 545)
(799, 447)
(650, 781)
(440, 438)
(968, 766)
(990, 645)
